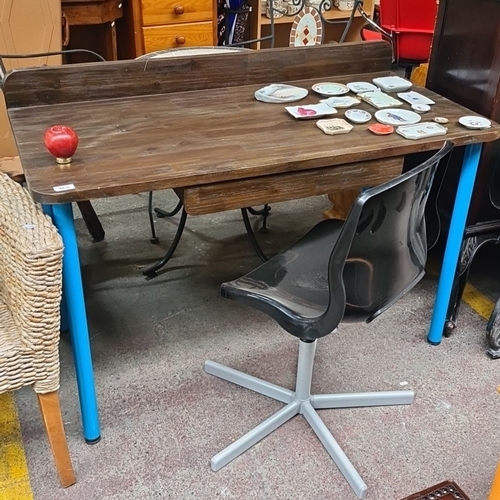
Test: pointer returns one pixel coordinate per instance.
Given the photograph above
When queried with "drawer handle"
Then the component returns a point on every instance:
(180, 40)
(179, 10)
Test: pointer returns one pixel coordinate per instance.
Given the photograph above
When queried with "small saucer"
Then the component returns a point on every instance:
(379, 129)
(474, 122)
(358, 115)
(420, 108)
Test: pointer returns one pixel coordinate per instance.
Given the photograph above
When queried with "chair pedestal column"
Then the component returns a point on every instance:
(301, 401)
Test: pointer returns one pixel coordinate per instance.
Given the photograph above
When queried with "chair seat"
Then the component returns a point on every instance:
(294, 284)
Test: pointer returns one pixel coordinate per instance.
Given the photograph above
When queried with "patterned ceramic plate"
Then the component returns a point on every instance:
(308, 111)
(330, 88)
(397, 117)
(474, 122)
(341, 101)
(307, 28)
(279, 93)
(359, 87)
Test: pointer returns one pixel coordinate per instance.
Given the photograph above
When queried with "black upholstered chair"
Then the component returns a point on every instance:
(348, 271)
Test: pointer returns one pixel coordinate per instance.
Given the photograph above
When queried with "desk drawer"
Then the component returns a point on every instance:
(178, 35)
(229, 195)
(159, 12)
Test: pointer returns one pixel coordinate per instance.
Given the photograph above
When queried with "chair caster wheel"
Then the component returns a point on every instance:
(154, 241)
(448, 328)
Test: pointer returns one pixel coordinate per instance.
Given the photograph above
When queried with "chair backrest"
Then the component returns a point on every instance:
(412, 25)
(382, 249)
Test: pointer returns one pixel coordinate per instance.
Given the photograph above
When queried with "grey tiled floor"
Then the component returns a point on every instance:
(163, 417)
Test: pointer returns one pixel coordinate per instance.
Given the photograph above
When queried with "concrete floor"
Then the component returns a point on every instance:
(163, 418)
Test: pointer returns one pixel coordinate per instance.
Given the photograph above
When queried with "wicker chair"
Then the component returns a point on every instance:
(30, 295)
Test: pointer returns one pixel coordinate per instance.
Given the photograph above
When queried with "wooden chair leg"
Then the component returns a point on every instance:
(52, 419)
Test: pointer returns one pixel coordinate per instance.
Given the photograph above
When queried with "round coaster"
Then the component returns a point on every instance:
(307, 28)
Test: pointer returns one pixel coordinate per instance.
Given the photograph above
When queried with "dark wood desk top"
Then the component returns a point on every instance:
(199, 130)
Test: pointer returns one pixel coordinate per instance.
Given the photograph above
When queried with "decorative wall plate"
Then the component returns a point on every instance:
(413, 97)
(358, 115)
(341, 101)
(474, 122)
(422, 130)
(360, 87)
(308, 111)
(330, 88)
(307, 28)
(380, 100)
(392, 83)
(280, 93)
(397, 117)
(334, 126)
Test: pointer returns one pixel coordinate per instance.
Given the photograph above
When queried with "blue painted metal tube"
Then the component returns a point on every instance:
(73, 292)
(454, 242)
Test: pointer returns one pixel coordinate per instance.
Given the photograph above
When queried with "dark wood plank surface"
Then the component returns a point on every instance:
(181, 139)
(98, 81)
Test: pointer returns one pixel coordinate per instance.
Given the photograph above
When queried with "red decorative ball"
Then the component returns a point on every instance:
(61, 142)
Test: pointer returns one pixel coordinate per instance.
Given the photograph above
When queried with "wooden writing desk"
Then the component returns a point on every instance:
(193, 124)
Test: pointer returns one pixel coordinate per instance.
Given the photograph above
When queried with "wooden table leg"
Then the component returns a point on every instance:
(342, 202)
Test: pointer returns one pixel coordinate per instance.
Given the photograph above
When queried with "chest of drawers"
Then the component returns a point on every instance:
(168, 24)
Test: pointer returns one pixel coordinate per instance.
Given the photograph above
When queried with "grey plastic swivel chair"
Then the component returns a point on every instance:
(348, 271)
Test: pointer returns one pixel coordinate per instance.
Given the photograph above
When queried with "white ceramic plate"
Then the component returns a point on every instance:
(341, 101)
(308, 111)
(280, 93)
(380, 100)
(359, 87)
(397, 117)
(474, 122)
(421, 131)
(330, 88)
(413, 97)
(358, 115)
(392, 83)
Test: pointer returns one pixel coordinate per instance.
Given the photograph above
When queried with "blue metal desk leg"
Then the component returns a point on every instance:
(62, 216)
(454, 242)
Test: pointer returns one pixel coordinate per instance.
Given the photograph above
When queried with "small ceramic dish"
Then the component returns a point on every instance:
(341, 101)
(441, 119)
(280, 93)
(474, 122)
(358, 115)
(413, 97)
(421, 131)
(334, 126)
(379, 129)
(380, 100)
(397, 117)
(330, 88)
(308, 111)
(392, 83)
(360, 87)
(420, 108)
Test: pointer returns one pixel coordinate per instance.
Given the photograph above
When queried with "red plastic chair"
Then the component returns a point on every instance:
(408, 25)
